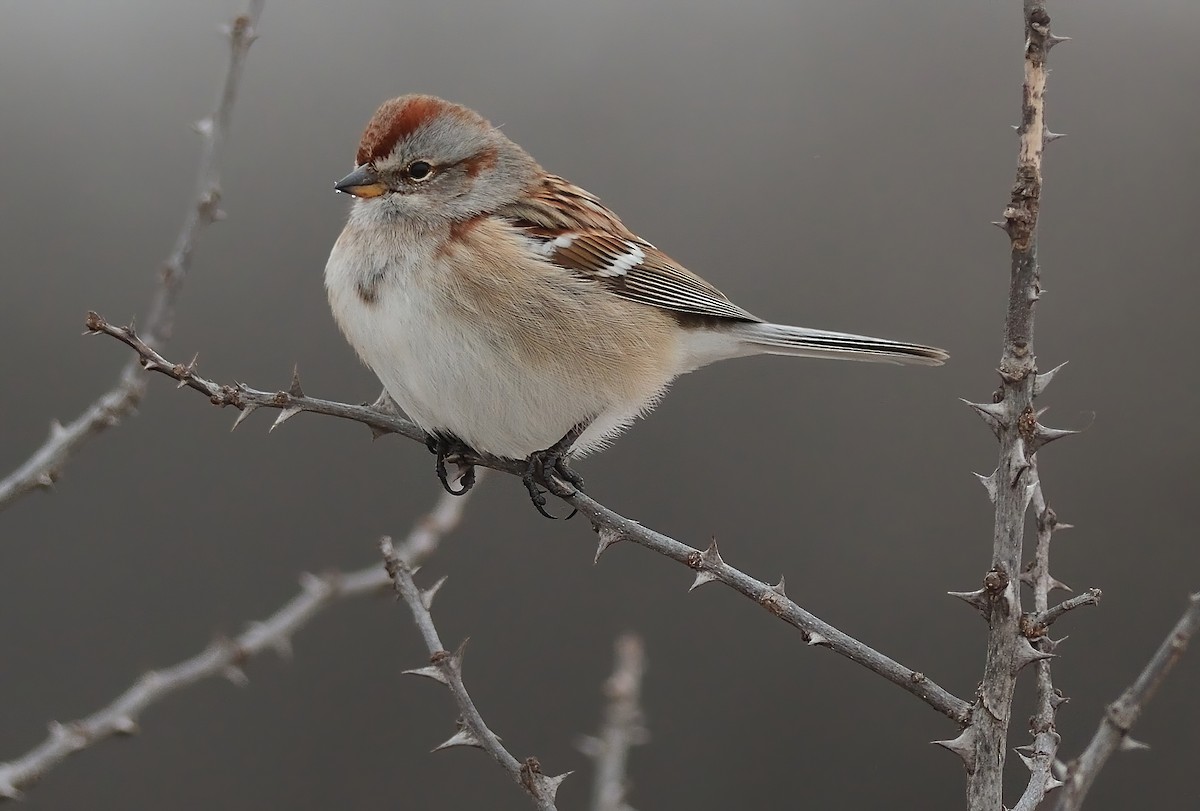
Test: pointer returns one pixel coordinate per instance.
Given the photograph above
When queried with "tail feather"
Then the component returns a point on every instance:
(777, 339)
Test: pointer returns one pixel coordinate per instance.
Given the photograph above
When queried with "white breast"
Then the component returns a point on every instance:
(445, 371)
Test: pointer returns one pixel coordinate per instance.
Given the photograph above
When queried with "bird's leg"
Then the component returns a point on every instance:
(445, 446)
(542, 467)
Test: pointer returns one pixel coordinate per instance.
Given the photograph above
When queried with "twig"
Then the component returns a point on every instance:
(225, 657)
(1044, 619)
(610, 526)
(1013, 420)
(446, 668)
(1041, 755)
(622, 728)
(45, 465)
(1122, 714)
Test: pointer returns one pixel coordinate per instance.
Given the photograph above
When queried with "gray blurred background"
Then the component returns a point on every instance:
(830, 164)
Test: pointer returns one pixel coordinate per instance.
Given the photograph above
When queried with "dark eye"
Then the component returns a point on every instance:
(420, 170)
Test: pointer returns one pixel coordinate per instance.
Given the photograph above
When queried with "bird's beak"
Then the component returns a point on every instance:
(362, 182)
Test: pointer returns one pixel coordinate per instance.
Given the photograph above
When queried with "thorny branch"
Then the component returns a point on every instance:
(1012, 418)
(1040, 756)
(610, 526)
(225, 657)
(45, 465)
(446, 668)
(1122, 714)
(622, 728)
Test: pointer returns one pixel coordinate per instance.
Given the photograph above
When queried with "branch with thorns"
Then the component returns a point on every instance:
(44, 466)
(225, 657)
(446, 668)
(610, 526)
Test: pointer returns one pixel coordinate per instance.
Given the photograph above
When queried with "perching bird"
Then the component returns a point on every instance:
(510, 312)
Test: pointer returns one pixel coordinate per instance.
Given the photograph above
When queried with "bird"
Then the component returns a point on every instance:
(511, 313)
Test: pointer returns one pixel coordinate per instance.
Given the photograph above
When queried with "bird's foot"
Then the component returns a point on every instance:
(450, 447)
(549, 469)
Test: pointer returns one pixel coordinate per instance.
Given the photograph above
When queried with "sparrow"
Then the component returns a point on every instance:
(511, 313)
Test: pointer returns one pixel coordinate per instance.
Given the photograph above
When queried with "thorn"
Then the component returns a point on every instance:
(711, 557)
(56, 430)
(463, 737)
(125, 725)
(245, 412)
(378, 432)
(608, 536)
(204, 127)
(46, 479)
(457, 658)
(989, 483)
(295, 389)
(815, 639)
(1027, 653)
(778, 588)
(1054, 39)
(976, 599)
(1052, 644)
(994, 414)
(284, 415)
(1058, 698)
(428, 594)
(1049, 137)
(1053, 783)
(183, 373)
(704, 561)
(1026, 759)
(68, 734)
(963, 746)
(428, 671)
(10, 792)
(1129, 744)
(1043, 436)
(236, 676)
(1027, 496)
(548, 786)
(1055, 583)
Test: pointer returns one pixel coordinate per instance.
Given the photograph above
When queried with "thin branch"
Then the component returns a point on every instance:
(1012, 418)
(1122, 714)
(1041, 755)
(622, 728)
(43, 468)
(446, 667)
(610, 526)
(225, 657)
(1044, 619)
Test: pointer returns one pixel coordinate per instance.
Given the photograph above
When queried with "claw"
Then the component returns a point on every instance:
(542, 468)
(443, 447)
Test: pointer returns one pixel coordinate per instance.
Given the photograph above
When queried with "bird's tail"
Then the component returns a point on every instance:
(778, 339)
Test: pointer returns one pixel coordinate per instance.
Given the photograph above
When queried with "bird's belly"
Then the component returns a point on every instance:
(451, 376)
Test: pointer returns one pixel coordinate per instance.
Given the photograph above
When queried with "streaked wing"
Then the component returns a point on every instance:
(575, 231)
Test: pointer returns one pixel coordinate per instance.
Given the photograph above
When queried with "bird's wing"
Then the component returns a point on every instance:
(575, 231)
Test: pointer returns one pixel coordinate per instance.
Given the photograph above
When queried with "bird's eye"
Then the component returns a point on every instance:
(420, 170)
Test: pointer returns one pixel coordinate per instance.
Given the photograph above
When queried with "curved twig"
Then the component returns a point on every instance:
(45, 464)
(446, 668)
(224, 657)
(1122, 714)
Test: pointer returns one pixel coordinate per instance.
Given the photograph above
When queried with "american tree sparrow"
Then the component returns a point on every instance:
(512, 313)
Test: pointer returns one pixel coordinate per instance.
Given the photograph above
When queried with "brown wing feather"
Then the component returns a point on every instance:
(579, 233)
